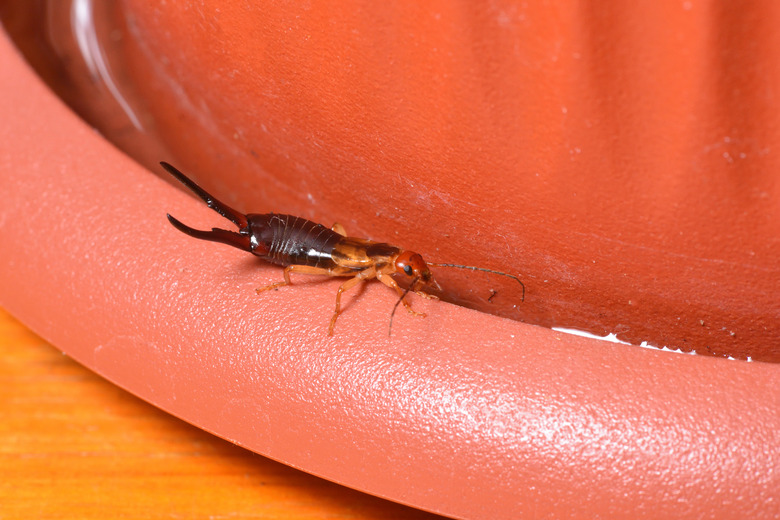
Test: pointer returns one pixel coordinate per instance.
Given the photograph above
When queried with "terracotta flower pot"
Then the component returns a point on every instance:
(618, 160)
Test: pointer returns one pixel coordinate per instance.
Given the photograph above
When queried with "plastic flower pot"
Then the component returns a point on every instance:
(617, 159)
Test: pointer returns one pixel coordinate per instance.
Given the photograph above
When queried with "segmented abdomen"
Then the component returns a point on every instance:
(287, 240)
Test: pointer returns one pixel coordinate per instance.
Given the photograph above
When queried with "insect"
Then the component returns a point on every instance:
(305, 247)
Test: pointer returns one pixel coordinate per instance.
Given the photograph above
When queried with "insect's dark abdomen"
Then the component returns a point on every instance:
(287, 240)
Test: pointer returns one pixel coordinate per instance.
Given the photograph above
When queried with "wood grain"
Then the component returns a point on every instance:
(73, 445)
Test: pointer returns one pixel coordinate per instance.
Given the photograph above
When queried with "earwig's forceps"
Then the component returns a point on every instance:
(240, 240)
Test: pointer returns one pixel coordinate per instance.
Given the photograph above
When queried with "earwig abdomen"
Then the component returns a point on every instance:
(290, 240)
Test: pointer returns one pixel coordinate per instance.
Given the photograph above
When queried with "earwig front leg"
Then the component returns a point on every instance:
(390, 282)
(300, 269)
(426, 295)
(349, 284)
(338, 228)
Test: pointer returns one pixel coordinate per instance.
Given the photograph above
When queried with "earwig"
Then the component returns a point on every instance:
(305, 247)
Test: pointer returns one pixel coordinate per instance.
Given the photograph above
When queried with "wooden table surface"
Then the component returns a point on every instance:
(73, 445)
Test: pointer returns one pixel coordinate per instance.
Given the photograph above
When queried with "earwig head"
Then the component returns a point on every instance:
(412, 266)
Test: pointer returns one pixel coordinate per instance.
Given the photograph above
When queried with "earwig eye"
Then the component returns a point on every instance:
(408, 270)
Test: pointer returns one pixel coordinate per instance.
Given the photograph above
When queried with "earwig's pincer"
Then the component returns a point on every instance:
(305, 247)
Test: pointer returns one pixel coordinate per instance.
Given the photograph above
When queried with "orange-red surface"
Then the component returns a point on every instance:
(461, 412)
(620, 158)
(76, 446)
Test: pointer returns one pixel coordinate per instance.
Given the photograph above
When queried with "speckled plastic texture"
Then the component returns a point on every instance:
(461, 413)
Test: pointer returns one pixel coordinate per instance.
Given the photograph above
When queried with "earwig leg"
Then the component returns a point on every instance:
(338, 228)
(426, 295)
(300, 269)
(388, 281)
(344, 287)
(349, 284)
(272, 286)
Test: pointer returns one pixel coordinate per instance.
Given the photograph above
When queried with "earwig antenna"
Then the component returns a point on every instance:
(390, 330)
(472, 268)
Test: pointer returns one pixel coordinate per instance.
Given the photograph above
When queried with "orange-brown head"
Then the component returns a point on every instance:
(414, 268)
